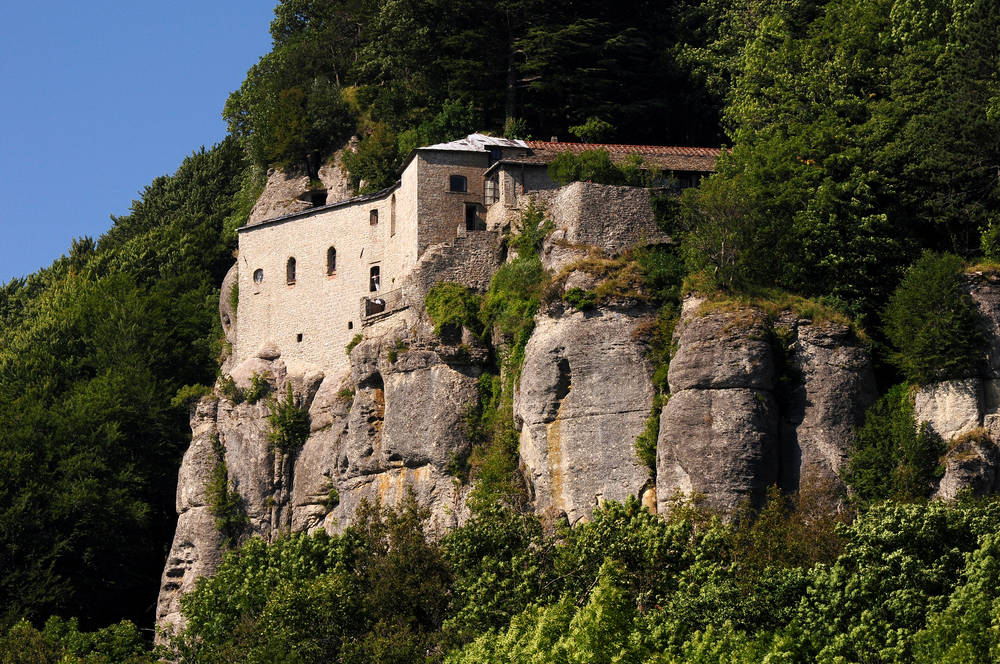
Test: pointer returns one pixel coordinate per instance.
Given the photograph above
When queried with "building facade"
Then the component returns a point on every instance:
(309, 281)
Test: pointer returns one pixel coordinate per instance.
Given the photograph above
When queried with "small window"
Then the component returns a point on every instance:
(331, 262)
(373, 218)
(290, 271)
(490, 193)
(350, 325)
(374, 281)
(298, 337)
(458, 183)
(258, 276)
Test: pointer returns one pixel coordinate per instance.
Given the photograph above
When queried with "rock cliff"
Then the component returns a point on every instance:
(756, 399)
(755, 403)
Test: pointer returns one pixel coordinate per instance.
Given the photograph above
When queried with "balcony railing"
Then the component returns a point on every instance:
(377, 306)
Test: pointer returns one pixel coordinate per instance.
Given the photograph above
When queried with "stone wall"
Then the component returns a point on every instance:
(442, 212)
(470, 259)
(322, 308)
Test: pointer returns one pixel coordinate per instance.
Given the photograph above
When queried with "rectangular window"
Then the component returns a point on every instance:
(458, 183)
(373, 218)
(490, 194)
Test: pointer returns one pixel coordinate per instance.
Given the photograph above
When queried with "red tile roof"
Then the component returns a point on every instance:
(672, 158)
(618, 148)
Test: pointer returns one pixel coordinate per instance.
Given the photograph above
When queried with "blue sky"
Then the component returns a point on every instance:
(99, 98)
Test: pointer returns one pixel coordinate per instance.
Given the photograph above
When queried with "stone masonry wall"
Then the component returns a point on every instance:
(470, 259)
(440, 211)
(322, 308)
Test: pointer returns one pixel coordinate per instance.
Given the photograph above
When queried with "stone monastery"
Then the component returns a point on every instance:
(309, 281)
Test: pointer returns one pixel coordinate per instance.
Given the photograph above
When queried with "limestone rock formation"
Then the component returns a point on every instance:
(754, 404)
(950, 407)
(719, 430)
(973, 465)
(831, 385)
(289, 191)
(391, 426)
(585, 393)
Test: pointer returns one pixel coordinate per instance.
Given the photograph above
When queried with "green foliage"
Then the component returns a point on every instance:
(596, 166)
(516, 128)
(289, 424)
(189, 394)
(893, 456)
(223, 501)
(375, 161)
(259, 388)
(227, 388)
(594, 130)
(580, 299)
(355, 340)
(61, 642)
(514, 293)
(492, 461)
(645, 444)
(453, 306)
(379, 588)
(932, 322)
(847, 145)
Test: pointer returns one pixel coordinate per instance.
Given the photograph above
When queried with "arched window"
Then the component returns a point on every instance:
(331, 262)
(290, 271)
(458, 183)
(258, 276)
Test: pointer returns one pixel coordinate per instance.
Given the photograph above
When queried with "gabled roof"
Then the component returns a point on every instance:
(477, 143)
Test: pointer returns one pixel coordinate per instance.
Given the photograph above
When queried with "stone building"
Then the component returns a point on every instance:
(310, 280)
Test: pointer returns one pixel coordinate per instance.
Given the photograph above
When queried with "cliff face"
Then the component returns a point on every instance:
(753, 404)
(755, 400)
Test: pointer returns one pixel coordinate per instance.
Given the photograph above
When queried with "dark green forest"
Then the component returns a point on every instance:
(862, 171)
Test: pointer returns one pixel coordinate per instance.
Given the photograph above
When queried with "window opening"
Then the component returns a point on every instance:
(490, 194)
(290, 272)
(331, 262)
(374, 279)
(392, 215)
(350, 325)
(373, 218)
(458, 183)
(471, 217)
(298, 337)
(258, 276)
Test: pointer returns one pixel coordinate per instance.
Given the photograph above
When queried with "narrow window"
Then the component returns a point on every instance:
(374, 285)
(392, 215)
(490, 194)
(373, 218)
(258, 276)
(298, 337)
(458, 183)
(350, 325)
(331, 262)
(290, 271)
